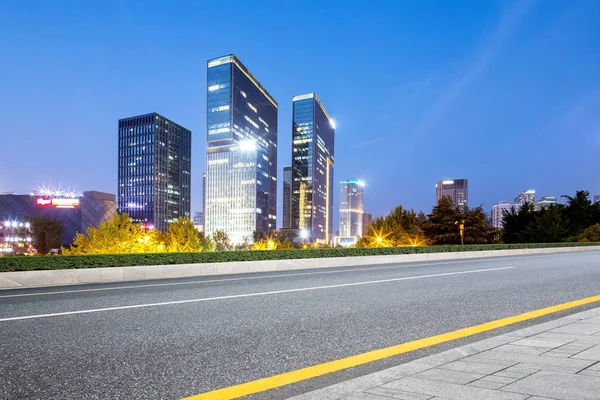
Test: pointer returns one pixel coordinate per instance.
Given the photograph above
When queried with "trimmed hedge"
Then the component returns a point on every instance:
(23, 263)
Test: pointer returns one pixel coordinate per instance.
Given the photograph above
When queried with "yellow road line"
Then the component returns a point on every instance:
(287, 378)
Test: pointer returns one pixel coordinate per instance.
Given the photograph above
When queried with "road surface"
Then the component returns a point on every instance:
(176, 338)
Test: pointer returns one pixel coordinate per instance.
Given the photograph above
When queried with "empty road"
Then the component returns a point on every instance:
(175, 338)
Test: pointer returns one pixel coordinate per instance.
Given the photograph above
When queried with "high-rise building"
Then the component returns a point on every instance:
(367, 218)
(498, 212)
(198, 220)
(457, 190)
(203, 199)
(351, 209)
(528, 196)
(312, 168)
(544, 202)
(154, 170)
(287, 197)
(597, 198)
(241, 153)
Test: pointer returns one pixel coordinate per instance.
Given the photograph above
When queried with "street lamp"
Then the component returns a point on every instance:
(461, 227)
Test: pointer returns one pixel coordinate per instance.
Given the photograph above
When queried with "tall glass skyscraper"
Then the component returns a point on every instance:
(154, 170)
(287, 197)
(312, 168)
(241, 154)
(351, 209)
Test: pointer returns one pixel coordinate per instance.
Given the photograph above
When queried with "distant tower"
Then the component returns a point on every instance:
(154, 170)
(456, 189)
(312, 168)
(528, 196)
(287, 197)
(351, 208)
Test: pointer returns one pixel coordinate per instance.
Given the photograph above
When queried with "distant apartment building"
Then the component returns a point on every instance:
(241, 153)
(312, 168)
(597, 198)
(351, 210)
(287, 197)
(456, 189)
(544, 202)
(198, 220)
(527, 196)
(498, 212)
(154, 170)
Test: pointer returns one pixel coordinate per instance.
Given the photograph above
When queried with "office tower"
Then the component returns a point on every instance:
(312, 168)
(287, 197)
(498, 212)
(198, 220)
(241, 153)
(544, 202)
(351, 208)
(154, 170)
(457, 190)
(203, 199)
(367, 218)
(527, 196)
(597, 198)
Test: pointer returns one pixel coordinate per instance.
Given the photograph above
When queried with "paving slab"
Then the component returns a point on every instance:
(558, 386)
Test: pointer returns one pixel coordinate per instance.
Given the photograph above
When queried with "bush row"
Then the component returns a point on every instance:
(15, 263)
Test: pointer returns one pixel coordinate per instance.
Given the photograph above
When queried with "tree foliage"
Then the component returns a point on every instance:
(182, 236)
(46, 233)
(555, 223)
(401, 227)
(222, 242)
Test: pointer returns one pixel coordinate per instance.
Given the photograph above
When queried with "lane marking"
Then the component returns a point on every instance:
(241, 279)
(261, 385)
(237, 296)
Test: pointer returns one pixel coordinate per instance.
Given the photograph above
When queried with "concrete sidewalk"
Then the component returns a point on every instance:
(556, 360)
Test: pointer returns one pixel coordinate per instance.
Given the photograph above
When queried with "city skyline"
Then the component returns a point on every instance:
(444, 99)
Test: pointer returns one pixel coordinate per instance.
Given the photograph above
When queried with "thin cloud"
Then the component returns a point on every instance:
(370, 142)
(509, 20)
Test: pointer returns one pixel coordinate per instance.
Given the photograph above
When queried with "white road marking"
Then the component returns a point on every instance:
(282, 275)
(237, 296)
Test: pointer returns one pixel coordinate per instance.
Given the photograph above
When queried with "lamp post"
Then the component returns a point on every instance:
(461, 226)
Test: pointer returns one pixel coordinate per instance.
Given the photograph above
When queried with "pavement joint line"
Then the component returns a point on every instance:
(236, 296)
(286, 378)
(233, 279)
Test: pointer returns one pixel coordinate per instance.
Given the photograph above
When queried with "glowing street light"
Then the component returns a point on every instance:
(379, 239)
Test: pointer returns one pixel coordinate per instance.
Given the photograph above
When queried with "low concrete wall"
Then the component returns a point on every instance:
(120, 274)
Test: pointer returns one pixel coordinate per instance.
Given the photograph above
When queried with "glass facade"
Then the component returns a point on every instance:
(312, 167)
(351, 208)
(94, 207)
(241, 154)
(528, 196)
(457, 190)
(287, 197)
(154, 170)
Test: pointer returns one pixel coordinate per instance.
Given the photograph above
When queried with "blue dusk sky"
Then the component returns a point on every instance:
(504, 93)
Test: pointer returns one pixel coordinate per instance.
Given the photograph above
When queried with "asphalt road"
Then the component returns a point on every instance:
(175, 338)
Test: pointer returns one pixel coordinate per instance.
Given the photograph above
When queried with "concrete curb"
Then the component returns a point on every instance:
(25, 279)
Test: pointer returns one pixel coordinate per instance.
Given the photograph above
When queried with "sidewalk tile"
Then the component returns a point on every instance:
(486, 384)
(557, 386)
(568, 365)
(449, 356)
(365, 396)
(522, 349)
(590, 354)
(475, 367)
(579, 328)
(451, 391)
(498, 379)
(449, 376)
(581, 339)
(533, 342)
(397, 394)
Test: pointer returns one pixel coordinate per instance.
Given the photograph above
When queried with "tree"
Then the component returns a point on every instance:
(118, 235)
(400, 228)
(221, 240)
(206, 242)
(517, 225)
(182, 236)
(580, 212)
(590, 234)
(46, 233)
(476, 230)
(441, 223)
(549, 225)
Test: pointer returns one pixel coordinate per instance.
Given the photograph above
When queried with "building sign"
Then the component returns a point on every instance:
(58, 203)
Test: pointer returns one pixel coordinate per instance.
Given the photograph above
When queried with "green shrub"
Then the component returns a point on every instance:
(15, 263)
